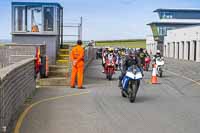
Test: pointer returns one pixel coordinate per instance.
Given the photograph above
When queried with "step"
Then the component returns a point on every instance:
(58, 68)
(64, 51)
(63, 56)
(62, 62)
(54, 82)
(59, 74)
(65, 46)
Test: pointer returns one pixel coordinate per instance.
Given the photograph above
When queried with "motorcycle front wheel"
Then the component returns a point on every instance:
(132, 92)
(122, 93)
(161, 74)
(147, 68)
(110, 77)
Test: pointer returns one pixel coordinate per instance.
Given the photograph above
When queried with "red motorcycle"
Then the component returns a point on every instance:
(147, 63)
(109, 68)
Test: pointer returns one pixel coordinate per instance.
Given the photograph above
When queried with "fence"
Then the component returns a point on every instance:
(17, 82)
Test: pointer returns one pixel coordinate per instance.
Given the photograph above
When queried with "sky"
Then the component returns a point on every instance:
(104, 19)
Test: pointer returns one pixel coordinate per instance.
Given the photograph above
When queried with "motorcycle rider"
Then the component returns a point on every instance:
(157, 55)
(146, 53)
(130, 59)
(142, 56)
(107, 54)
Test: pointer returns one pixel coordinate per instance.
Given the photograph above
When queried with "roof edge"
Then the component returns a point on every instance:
(178, 9)
(36, 3)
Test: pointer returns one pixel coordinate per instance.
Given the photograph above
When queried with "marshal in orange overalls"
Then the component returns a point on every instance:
(77, 58)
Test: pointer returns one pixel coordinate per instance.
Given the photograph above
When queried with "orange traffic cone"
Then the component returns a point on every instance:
(154, 79)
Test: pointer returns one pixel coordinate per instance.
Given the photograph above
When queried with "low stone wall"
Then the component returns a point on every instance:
(17, 82)
(12, 53)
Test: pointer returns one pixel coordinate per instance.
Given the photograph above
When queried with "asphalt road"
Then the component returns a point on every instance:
(173, 106)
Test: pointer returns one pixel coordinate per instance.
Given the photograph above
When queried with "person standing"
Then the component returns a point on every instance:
(77, 58)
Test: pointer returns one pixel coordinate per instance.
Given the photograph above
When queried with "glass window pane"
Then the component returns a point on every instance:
(19, 19)
(48, 18)
(34, 19)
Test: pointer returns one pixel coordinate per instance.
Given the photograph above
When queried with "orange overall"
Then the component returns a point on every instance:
(77, 58)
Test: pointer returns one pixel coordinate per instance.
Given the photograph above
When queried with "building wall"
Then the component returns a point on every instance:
(51, 42)
(187, 43)
(151, 45)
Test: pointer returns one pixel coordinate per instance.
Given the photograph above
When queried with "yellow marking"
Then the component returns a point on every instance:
(64, 50)
(64, 55)
(24, 114)
(184, 77)
(62, 60)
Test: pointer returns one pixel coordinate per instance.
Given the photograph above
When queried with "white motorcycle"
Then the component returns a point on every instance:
(159, 66)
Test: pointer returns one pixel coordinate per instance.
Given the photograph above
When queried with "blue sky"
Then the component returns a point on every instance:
(104, 19)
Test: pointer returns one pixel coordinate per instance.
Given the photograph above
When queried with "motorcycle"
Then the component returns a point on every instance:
(131, 83)
(147, 64)
(159, 66)
(109, 68)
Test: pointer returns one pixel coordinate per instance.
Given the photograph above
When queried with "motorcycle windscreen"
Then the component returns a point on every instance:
(125, 82)
(136, 76)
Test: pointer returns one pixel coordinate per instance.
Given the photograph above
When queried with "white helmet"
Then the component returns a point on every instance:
(158, 52)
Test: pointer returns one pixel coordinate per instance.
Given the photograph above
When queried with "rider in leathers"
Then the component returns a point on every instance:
(130, 59)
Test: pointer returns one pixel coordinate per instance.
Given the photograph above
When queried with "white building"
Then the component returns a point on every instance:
(151, 45)
(183, 43)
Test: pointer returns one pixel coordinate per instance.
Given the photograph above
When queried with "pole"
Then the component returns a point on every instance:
(81, 26)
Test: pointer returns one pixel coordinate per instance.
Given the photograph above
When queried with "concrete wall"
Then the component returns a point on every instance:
(51, 42)
(187, 43)
(151, 45)
(13, 53)
(17, 82)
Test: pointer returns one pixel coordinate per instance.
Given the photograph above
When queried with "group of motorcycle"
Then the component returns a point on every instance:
(133, 76)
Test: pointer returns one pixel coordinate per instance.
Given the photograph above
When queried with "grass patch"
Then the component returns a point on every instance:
(1, 44)
(123, 43)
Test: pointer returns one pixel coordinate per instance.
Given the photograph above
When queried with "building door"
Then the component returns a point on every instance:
(195, 50)
(188, 50)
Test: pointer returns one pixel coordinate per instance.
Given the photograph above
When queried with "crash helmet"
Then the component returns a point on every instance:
(141, 49)
(158, 52)
(110, 50)
(131, 54)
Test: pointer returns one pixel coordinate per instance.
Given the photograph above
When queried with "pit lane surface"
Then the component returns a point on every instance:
(173, 106)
